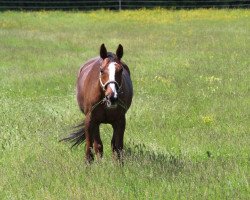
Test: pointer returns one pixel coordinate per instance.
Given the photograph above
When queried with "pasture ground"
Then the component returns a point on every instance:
(187, 133)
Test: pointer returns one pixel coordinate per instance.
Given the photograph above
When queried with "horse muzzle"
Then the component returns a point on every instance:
(111, 101)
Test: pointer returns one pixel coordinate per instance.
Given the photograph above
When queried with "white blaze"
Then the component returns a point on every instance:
(112, 77)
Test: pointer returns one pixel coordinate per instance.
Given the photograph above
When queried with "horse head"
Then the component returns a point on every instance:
(111, 73)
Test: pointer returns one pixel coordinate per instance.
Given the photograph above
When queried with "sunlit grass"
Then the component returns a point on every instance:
(187, 134)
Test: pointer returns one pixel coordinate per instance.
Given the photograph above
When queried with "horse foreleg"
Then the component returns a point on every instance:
(89, 156)
(98, 146)
(117, 139)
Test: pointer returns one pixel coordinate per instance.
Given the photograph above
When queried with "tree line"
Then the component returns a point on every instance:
(116, 4)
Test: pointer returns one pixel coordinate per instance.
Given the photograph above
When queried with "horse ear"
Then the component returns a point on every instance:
(119, 52)
(103, 52)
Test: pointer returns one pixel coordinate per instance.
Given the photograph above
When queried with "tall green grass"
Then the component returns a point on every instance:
(187, 134)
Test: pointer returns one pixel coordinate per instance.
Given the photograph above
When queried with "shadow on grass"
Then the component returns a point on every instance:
(138, 153)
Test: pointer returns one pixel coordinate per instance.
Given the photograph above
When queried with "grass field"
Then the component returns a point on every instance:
(187, 134)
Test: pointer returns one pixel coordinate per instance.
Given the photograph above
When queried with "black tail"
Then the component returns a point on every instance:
(77, 137)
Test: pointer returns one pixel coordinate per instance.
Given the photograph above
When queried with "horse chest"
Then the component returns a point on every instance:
(108, 115)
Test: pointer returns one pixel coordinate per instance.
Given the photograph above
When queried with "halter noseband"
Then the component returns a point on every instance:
(104, 85)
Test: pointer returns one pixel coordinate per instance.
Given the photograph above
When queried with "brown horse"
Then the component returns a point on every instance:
(104, 94)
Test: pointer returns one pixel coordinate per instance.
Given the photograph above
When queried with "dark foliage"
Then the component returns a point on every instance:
(116, 4)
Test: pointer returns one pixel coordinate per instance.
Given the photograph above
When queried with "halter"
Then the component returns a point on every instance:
(104, 85)
(106, 99)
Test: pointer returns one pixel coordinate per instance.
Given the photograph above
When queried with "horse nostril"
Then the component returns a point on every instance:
(113, 99)
(111, 95)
